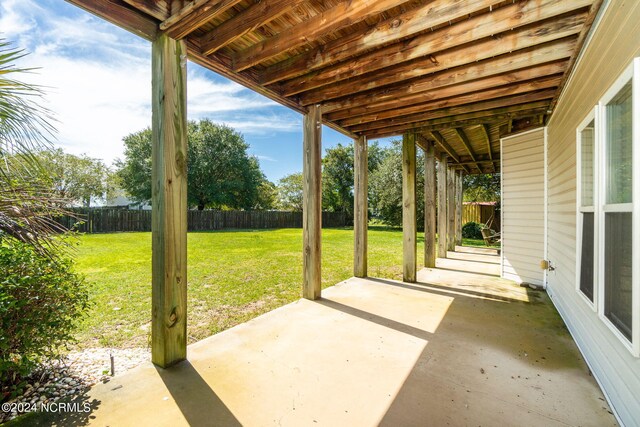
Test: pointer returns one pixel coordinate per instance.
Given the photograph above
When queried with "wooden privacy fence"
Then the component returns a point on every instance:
(482, 213)
(99, 220)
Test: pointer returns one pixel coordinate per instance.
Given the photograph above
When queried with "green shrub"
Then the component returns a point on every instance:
(472, 230)
(41, 300)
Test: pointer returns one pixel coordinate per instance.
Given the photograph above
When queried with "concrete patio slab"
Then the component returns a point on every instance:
(454, 349)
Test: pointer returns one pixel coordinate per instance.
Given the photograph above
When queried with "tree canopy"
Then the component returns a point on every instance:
(337, 175)
(77, 178)
(289, 192)
(220, 172)
(481, 188)
(385, 186)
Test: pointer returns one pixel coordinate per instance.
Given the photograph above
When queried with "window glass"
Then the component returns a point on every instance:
(587, 142)
(619, 147)
(618, 271)
(586, 260)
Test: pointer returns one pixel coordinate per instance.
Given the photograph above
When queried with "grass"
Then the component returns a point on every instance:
(233, 276)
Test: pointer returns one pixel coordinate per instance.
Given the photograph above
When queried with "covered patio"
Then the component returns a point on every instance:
(454, 348)
(451, 344)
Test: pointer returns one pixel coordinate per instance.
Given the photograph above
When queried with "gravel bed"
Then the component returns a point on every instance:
(74, 375)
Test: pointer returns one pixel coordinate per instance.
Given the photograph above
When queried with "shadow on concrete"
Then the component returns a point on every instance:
(199, 404)
(382, 321)
(467, 271)
(432, 288)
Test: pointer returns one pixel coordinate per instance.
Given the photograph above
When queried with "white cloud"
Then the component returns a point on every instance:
(12, 22)
(99, 82)
(265, 158)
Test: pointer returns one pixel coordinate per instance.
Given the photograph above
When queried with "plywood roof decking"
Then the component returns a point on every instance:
(462, 69)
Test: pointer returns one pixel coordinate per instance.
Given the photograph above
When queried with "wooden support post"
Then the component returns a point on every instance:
(451, 209)
(429, 206)
(459, 208)
(312, 203)
(360, 207)
(409, 207)
(169, 202)
(442, 207)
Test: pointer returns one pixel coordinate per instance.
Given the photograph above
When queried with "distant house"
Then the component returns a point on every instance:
(120, 200)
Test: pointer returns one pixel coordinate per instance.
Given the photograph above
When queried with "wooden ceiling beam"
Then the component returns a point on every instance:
(343, 14)
(504, 44)
(463, 120)
(471, 30)
(423, 18)
(194, 15)
(119, 13)
(453, 96)
(546, 60)
(215, 64)
(486, 132)
(159, 9)
(506, 101)
(444, 146)
(467, 145)
(244, 22)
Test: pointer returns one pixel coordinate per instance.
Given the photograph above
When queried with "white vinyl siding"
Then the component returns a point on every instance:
(523, 207)
(614, 44)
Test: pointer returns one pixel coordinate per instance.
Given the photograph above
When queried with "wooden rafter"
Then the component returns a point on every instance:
(484, 107)
(466, 97)
(532, 106)
(254, 17)
(546, 60)
(514, 40)
(388, 31)
(486, 133)
(467, 145)
(383, 67)
(502, 20)
(194, 15)
(344, 13)
(159, 9)
(465, 120)
(444, 146)
(119, 13)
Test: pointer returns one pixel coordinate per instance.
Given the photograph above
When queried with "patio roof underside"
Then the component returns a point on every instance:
(458, 73)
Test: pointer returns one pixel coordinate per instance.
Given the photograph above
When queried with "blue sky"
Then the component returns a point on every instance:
(98, 80)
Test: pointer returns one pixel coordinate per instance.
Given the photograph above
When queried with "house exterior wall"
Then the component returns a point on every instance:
(615, 42)
(522, 158)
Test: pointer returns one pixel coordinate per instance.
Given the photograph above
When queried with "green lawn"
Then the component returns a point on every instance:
(233, 276)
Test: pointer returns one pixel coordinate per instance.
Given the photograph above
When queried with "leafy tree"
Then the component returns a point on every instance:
(77, 178)
(481, 188)
(289, 190)
(337, 179)
(220, 172)
(267, 196)
(385, 187)
(337, 176)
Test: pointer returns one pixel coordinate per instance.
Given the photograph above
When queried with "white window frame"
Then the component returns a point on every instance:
(593, 116)
(631, 73)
